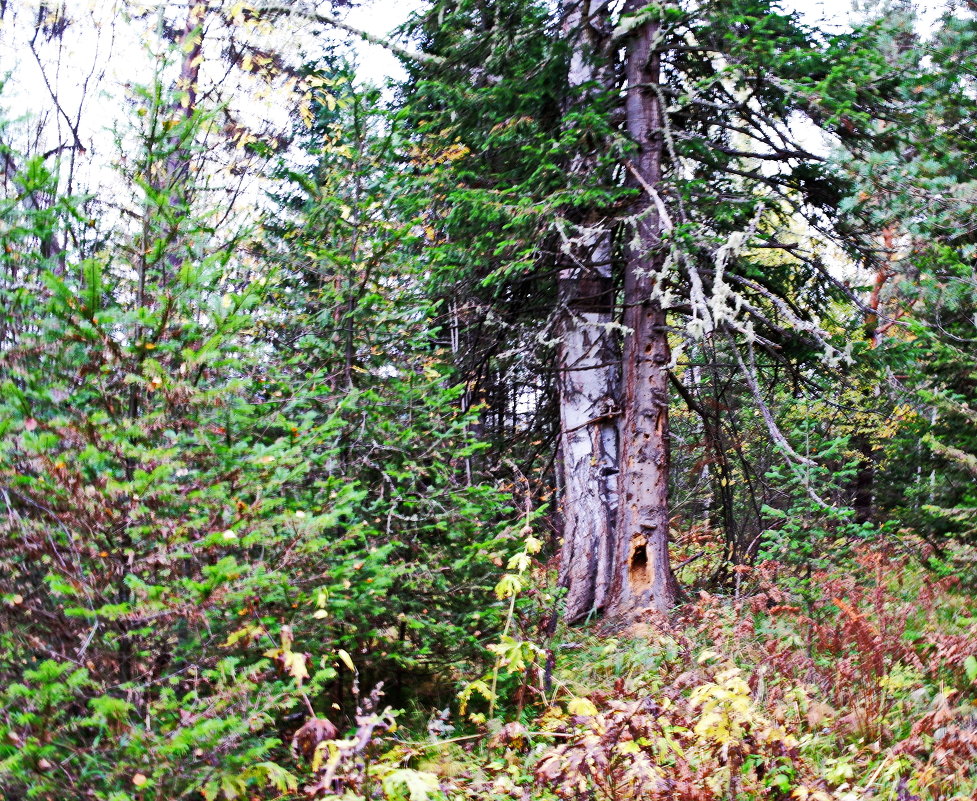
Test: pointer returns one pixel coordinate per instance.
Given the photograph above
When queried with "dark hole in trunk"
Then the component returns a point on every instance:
(638, 571)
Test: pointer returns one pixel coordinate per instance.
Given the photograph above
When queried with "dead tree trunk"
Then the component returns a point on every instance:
(588, 364)
(642, 575)
(587, 385)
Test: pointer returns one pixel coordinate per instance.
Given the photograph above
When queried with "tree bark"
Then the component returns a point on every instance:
(587, 383)
(642, 575)
(588, 366)
(864, 485)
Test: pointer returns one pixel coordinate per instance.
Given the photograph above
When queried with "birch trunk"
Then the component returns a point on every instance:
(588, 370)
(642, 576)
(587, 383)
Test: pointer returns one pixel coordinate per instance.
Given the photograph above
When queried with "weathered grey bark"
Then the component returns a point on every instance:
(642, 575)
(588, 363)
(588, 384)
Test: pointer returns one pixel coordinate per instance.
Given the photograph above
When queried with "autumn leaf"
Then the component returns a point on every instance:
(295, 664)
(581, 706)
(346, 659)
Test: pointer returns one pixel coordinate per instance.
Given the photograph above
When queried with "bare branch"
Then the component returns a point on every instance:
(309, 13)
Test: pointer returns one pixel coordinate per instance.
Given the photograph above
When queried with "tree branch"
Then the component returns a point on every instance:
(306, 12)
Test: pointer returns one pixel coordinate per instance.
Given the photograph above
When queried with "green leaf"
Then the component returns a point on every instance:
(412, 785)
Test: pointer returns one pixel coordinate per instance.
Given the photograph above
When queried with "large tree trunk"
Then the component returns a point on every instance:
(642, 575)
(587, 384)
(588, 363)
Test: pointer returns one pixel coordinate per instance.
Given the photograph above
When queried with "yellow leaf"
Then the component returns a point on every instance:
(317, 755)
(295, 664)
(236, 12)
(581, 706)
(191, 43)
(508, 586)
(519, 562)
(235, 636)
(346, 659)
(413, 785)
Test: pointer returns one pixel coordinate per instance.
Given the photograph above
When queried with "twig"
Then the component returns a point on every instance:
(689, 561)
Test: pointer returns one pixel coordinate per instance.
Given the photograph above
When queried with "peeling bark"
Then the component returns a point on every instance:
(642, 575)
(588, 370)
(587, 384)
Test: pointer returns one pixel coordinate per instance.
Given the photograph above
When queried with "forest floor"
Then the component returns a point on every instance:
(852, 682)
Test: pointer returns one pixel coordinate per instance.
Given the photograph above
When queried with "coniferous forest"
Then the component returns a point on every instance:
(586, 410)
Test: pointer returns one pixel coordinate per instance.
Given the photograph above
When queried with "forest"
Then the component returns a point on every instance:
(583, 408)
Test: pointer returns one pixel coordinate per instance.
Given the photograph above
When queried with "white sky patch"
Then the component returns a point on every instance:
(101, 53)
(74, 96)
(375, 63)
(835, 16)
(93, 68)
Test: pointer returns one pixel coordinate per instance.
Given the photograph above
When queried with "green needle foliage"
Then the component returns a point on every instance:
(219, 472)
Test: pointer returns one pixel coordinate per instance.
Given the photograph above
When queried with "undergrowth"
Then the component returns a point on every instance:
(856, 683)
(861, 687)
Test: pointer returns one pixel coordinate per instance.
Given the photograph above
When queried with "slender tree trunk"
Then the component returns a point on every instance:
(864, 485)
(51, 246)
(642, 575)
(588, 361)
(176, 167)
